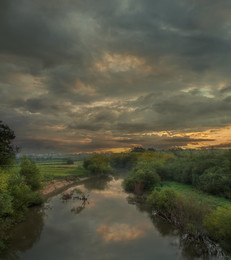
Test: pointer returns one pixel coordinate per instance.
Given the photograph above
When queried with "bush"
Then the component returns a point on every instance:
(218, 224)
(163, 200)
(31, 173)
(5, 197)
(70, 161)
(98, 164)
(216, 181)
(5, 204)
(187, 213)
(143, 178)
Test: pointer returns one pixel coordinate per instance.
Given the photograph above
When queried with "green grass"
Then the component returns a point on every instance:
(58, 169)
(189, 190)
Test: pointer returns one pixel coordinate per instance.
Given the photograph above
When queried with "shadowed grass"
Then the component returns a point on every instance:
(190, 191)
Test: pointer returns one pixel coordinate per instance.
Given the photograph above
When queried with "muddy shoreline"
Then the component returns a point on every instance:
(58, 185)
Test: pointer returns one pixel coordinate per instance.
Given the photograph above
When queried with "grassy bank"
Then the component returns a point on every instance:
(190, 191)
(203, 220)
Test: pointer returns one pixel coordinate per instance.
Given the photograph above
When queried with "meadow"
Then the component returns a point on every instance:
(59, 169)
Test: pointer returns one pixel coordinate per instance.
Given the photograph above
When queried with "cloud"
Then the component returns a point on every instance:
(113, 70)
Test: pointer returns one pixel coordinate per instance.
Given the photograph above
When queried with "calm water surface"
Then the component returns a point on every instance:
(108, 226)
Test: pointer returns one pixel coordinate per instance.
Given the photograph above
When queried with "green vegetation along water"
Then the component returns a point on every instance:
(108, 225)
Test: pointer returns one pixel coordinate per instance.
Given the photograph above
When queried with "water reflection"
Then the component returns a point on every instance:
(110, 224)
(190, 249)
(122, 232)
(99, 183)
(25, 234)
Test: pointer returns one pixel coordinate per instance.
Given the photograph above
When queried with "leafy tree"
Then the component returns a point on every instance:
(70, 161)
(7, 149)
(31, 173)
(138, 149)
(98, 164)
(143, 177)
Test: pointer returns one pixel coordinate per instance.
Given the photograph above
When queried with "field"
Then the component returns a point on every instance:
(190, 191)
(59, 169)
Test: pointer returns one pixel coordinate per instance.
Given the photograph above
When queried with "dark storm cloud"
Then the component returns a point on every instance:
(226, 90)
(71, 70)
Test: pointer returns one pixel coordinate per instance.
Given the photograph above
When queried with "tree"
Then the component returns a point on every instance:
(31, 173)
(138, 149)
(7, 149)
(70, 161)
(98, 164)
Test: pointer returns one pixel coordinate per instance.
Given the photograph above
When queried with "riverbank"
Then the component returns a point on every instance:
(57, 185)
(203, 220)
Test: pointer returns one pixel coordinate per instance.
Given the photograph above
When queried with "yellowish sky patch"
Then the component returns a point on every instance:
(122, 63)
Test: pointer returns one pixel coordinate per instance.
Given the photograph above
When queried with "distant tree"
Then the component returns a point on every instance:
(7, 149)
(98, 164)
(138, 149)
(70, 161)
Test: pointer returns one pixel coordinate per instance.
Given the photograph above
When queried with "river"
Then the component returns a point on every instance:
(108, 225)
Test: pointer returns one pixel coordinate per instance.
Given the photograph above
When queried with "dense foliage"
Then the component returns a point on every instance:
(187, 213)
(31, 174)
(208, 170)
(218, 224)
(98, 164)
(16, 195)
(18, 190)
(144, 176)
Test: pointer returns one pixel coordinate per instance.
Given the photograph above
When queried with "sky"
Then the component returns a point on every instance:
(107, 75)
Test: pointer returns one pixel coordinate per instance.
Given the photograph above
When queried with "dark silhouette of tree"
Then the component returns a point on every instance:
(70, 161)
(7, 149)
(138, 149)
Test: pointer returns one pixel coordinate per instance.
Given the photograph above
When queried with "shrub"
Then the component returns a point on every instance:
(5, 204)
(216, 181)
(218, 224)
(70, 161)
(186, 213)
(31, 173)
(98, 164)
(5, 197)
(163, 200)
(147, 179)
